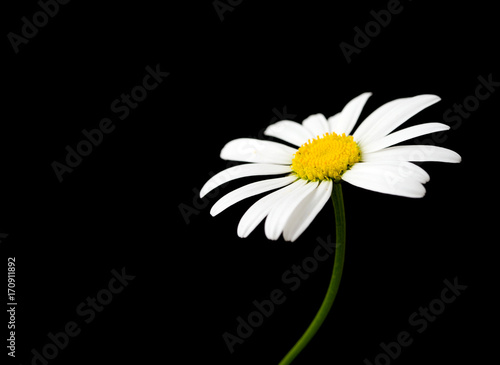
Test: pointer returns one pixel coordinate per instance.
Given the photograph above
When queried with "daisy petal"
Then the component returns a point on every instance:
(261, 208)
(249, 190)
(333, 120)
(255, 150)
(278, 217)
(371, 121)
(413, 153)
(236, 172)
(306, 211)
(290, 132)
(383, 179)
(405, 169)
(403, 135)
(397, 115)
(350, 114)
(317, 124)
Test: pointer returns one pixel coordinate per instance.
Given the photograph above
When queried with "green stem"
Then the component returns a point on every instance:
(338, 264)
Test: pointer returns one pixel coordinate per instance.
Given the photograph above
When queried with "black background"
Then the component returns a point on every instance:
(229, 78)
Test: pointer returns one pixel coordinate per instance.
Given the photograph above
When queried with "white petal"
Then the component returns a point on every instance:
(317, 124)
(306, 211)
(396, 116)
(279, 214)
(350, 114)
(370, 122)
(383, 179)
(235, 172)
(256, 150)
(413, 153)
(290, 132)
(248, 191)
(333, 120)
(261, 208)
(405, 169)
(403, 135)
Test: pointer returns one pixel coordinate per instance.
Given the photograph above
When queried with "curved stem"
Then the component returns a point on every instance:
(338, 264)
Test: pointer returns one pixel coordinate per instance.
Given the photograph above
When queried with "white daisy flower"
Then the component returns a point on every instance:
(327, 154)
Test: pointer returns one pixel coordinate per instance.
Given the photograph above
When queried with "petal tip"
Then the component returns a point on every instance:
(213, 213)
(203, 191)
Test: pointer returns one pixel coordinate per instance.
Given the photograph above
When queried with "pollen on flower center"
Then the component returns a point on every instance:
(326, 158)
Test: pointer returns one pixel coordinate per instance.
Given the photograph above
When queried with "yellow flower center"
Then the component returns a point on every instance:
(326, 158)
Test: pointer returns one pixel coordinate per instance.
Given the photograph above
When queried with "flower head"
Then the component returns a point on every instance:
(327, 153)
(326, 157)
